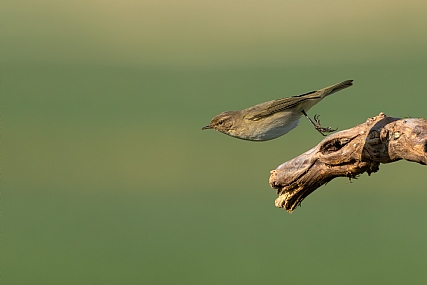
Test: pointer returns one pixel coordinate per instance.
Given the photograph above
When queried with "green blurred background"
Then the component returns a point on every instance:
(108, 179)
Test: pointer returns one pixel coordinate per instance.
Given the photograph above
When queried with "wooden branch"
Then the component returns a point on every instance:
(349, 153)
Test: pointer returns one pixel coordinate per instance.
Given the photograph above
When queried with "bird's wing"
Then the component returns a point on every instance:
(269, 108)
(280, 105)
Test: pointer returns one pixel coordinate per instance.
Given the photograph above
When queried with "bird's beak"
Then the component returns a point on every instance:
(207, 127)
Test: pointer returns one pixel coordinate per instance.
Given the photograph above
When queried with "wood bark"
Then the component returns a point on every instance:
(349, 153)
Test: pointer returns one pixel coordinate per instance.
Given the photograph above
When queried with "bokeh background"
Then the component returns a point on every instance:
(107, 177)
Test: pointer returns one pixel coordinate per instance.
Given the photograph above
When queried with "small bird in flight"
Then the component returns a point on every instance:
(275, 118)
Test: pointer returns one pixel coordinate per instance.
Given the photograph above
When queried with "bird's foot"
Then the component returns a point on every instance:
(321, 129)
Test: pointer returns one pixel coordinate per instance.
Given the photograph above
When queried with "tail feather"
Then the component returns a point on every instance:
(335, 88)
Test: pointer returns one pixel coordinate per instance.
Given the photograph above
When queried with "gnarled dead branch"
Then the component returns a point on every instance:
(349, 153)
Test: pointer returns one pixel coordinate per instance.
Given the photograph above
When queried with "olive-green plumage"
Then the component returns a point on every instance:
(274, 118)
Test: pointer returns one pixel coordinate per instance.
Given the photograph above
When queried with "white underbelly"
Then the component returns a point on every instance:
(274, 128)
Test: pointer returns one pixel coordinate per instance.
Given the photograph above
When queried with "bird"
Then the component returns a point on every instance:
(272, 119)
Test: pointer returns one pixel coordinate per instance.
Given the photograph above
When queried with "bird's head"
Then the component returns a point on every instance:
(224, 122)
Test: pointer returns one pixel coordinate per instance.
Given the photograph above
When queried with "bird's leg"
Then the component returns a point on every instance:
(317, 125)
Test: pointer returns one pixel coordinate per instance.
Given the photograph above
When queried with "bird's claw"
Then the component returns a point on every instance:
(321, 129)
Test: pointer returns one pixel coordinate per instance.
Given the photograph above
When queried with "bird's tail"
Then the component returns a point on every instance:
(334, 88)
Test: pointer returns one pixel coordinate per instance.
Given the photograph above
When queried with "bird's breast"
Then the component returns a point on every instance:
(272, 127)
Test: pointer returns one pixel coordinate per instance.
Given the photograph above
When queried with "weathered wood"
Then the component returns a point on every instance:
(349, 153)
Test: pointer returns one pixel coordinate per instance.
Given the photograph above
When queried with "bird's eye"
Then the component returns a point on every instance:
(220, 122)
